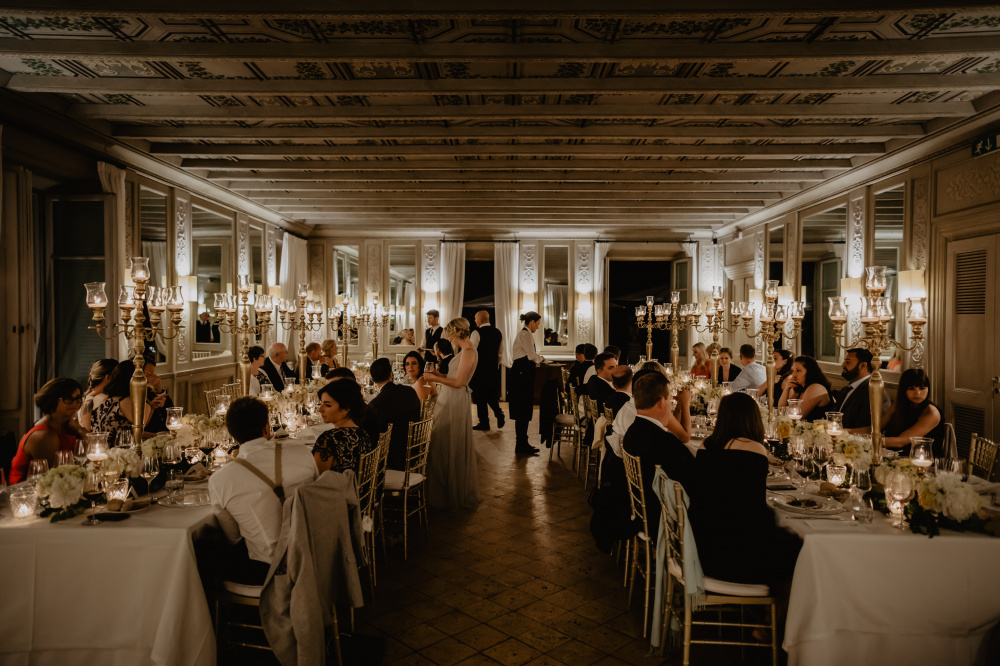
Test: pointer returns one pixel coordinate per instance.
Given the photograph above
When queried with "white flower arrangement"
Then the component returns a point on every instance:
(123, 461)
(61, 487)
(899, 464)
(853, 450)
(153, 447)
(947, 495)
(199, 424)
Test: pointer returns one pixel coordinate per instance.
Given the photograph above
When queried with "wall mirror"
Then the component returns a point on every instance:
(213, 254)
(345, 280)
(153, 245)
(889, 211)
(555, 295)
(257, 256)
(824, 242)
(776, 253)
(402, 300)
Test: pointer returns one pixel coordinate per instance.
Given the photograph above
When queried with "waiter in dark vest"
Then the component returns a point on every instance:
(431, 335)
(486, 379)
(522, 382)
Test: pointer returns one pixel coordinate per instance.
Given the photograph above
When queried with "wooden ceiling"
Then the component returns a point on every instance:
(488, 122)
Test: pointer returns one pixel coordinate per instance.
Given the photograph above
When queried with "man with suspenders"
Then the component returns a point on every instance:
(248, 496)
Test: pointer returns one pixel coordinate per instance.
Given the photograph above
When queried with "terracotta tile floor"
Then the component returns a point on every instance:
(517, 581)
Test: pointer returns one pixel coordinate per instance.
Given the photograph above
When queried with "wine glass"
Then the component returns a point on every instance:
(80, 451)
(861, 479)
(64, 458)
(124, 439)
(712, 409)
(898, 488)
(820, 457)
(92, 491)
(37, 468)
(150, 469)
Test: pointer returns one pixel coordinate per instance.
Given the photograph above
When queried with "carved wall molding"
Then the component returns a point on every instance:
(984, 180)
(317, 279)
(759, 260)
(529, 268)
(182, 261)
(373, 270)
(431, 269)
(270, 259)
(130, 220)
(242, 245)
(790, 273)
(920, 226)
(856, 238)
(584, 285)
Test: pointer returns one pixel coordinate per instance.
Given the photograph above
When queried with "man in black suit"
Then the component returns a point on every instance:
(395, 404)
(485, 381)
(205, 330)
(313, 352)
(444, 353)
(432, 335)
(853, 400)
(649, 439)
(274, 366)
(599, 388)
(621, 379)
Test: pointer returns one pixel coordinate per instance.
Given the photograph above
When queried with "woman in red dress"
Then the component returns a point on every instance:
(58, 429)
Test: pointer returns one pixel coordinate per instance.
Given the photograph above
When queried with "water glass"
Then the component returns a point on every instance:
(954, 465)
(64, 458)
(124, 439)
(861, 479)
(80, 451)
(836, 474)
(37, 468)
(175, 484)
(118, 490)
(23, 502)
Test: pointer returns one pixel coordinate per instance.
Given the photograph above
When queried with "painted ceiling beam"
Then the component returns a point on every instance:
(516, 165)
(253, 187)
(528, 176)
(269, 199)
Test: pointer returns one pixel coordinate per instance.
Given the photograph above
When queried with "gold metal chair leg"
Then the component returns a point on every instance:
(687, 632)
(631, 579)
(774, 635)
(406, 521)
(336, 639)
(668, 612)
(645, 607)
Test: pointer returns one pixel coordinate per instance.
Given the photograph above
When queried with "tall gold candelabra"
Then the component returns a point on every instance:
(340, 318)
(876, 313)
(715, 318)
(132, 300)
(309, 318)
(374, 317)
(233, 316)
(772, 319)
(662, 316)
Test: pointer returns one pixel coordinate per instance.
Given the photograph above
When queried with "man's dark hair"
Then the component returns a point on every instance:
(312, 346)
(581, 348)
(614, 351)
(381, 370)
(648, 390)
(444, 346)
(621, 377)
(434, 313)
(246, 419)
(341, 373)
(589, 352)
(601, 360)
(347, 394)
(747, 351)
(255, 353)
(863, 355)
(47, 398)
(118, 382)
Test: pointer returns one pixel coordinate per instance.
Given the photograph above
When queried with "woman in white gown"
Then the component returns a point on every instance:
(452, 470)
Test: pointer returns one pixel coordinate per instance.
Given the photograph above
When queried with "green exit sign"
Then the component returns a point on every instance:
(985, 144)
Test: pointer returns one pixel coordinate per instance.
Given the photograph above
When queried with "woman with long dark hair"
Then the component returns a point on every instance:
(413, 366)
(340, 449)
(522, 381)
(912, 414)
(727, 371)
(782, 369)
(808, 384)
(58, 430)
(735, 531)
(100, 373)
(115, 414)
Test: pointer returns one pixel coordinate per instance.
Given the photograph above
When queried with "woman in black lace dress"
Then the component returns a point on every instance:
(115, 414)
(340, 449)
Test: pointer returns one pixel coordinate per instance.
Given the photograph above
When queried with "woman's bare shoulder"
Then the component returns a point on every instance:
(744, 444)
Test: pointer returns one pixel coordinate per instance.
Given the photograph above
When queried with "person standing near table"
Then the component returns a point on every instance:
(486, 380)
(522, 382)
(431, 335)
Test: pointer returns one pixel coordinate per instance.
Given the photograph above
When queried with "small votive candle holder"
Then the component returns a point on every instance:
(23, 502)
(118, 490)
(836, 474)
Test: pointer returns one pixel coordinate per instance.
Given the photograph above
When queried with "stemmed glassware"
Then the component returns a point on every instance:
(174, 422)
(64, 458)
(37, 468)
(820, 457)
(124, 439)
(92, 491)
(898, 488)
(801, 465)
(80, 452)
(150, 469)
(861, 479)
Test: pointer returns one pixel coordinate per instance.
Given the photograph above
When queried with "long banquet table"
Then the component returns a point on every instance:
(117, 594)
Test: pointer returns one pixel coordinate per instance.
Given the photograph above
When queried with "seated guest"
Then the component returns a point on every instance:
(257, 375)
(782, 372)
(413, 365)
(579, 367)
(100, 373)
(275, 367)
(156, 398)
(680, 415)
(395, 405)
(115, 414)
(621, 379)
(701, 366)
(650, 440)
(444, 352)
(752, 374)
(328, 356)
(313, 353)
(340, 449)
(734, 529)
(589, 354)
(599, 388)
(727, 371)
(810, 385)
(913, 415)
(58, 430)
(852, 400)
(247, 495)
(340, 372)
(614, 351)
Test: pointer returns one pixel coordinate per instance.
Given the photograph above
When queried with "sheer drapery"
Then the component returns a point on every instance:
(156, 251)
(452, 281)
(294, 269)
(556, 300)
(600, 313)
(505, 279)
(113, 183)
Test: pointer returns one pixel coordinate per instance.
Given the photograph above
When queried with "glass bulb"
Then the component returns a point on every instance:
(126, 297)
(140, 269)
(838, 309)
(303, 290)
(918, 311)
(96, 296)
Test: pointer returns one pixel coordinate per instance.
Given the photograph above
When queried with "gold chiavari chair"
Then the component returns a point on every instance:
(718, 593)
(427, 407)
(366, 483)
(564, 428)
(590, 419)
(406, 487)
(982, 457)
(637, 497)
(235, 390)
(379, 526)
(212, 399)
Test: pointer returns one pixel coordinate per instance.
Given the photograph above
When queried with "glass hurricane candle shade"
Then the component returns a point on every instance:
(836, 474)
(118, 490)
(917, 313)
(834, 423)
(243, 284)
(921, 453)
(875, 279)
(23, 502)
(771, 290)
(174, 421)
(838, 309)
(140, 269)
(794, 409)
(126, 297)
(675, 297)
(97, 298)
(303, 290)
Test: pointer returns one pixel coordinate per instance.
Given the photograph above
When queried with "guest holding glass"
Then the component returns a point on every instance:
(727, 371)
(413, 366)
(782, 371)
(701, 366)
(257, 375)
(735, 531)
(100, 373)
(340, 449)
(114, 415)
(913, 415)
(59, 401)
(157, 399)
(808, 384)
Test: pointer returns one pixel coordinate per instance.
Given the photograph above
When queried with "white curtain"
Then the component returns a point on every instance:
(600, 315)
(156, 251)
(113, 183)
(293, 270)
(556, 297)
(452, 281)
(505, 279)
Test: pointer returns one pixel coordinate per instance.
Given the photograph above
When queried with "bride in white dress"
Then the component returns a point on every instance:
(452, 471)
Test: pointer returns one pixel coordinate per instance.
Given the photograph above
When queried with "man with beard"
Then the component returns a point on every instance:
(852, 400)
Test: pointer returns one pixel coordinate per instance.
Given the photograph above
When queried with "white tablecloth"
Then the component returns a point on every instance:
(877, 595)
(118, 594)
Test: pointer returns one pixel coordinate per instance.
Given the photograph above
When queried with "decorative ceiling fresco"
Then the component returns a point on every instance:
(658, 125)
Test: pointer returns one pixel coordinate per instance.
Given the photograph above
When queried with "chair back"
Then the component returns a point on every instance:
(212, 399)
(565, 376)
(609, 414)
(383, 463)
(417, 443)
(427, 407)
(673, 521)
(366, 481)
(982, 457)
(572, 402)
(590, 408)
(636, 491)
(235, 390)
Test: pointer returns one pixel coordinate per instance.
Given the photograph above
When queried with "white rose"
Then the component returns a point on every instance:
(961, 503)
(65, 492)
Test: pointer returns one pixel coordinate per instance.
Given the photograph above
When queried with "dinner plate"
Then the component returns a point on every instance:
(803, 503)
(186, 498)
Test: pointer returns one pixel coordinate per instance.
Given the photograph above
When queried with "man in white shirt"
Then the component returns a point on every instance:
(753, 373)
(247, 496)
